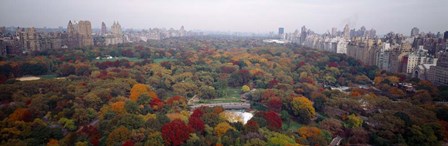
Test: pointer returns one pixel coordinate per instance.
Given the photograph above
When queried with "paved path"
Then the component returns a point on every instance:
(336, 141)
(93, 123)
(224, 105)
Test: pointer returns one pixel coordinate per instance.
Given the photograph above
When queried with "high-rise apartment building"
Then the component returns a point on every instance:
(346, 32)
(414, 32)
(80, 34)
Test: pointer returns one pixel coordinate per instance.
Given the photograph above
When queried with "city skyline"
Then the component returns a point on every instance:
(231, 15)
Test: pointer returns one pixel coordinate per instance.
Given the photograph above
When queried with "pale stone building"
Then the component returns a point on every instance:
(79, 34)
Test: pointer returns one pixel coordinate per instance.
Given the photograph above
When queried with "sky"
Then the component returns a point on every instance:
(257, 16)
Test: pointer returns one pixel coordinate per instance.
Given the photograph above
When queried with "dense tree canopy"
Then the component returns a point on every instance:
(158, 93)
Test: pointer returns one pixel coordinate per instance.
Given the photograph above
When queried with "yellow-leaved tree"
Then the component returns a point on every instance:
(303, 108)
(222, 128)
(245, 88)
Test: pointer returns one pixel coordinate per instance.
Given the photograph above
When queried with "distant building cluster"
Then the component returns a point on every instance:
(421, 55)
(156, 34)
(114, 37)
(77, 34)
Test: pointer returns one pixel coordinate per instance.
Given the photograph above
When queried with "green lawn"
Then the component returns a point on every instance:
(119, 58)
(230, 95)
(231, 92)
(163, 60)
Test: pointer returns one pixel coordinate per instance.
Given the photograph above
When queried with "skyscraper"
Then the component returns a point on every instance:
(80, 34)
(334, 32)
(347, 32)
(32, 39)
(103, 28)
(117, 33)
(182, 31)
(116, 28)
(303, 35)
(414, 31)
(445, 35)
(281, 31)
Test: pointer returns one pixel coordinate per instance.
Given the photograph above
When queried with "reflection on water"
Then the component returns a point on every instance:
(237, 116)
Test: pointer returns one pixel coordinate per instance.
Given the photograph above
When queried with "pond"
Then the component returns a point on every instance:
(238, 116)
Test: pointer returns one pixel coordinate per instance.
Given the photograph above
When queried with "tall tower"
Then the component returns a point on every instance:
(85, 32)
(79, 34)
(31, 39)
(183, 32)
(414, 31)
(70, 28)
(347, 32)
(445, 35)
(362, 31)
(103, 29)
(281, 31)
(116, 28)
(303, 35)
(334, 31)
(117, 33)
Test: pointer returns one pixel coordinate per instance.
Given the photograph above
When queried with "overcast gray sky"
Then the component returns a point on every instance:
(233, 15)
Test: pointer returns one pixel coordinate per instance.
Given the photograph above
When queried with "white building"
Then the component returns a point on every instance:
(422, 70)
(342, 46)
(417, 58)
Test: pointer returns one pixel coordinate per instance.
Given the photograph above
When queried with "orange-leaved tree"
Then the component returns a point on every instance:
(141, 89)
(307, 132)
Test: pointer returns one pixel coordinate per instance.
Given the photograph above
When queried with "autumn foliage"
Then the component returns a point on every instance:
(156, 103)
(20, 114)
(197, 113)
(303, 107)
(176, 101)
(175, 132)
(307, 132)
(196, 123)
(274, 121)
(118, 107)
(222, 128)
(251, 126)
(141, 89)
(275, 104)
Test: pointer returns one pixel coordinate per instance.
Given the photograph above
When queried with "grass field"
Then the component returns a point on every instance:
(230, 95)
(163, 60)
(119, 58)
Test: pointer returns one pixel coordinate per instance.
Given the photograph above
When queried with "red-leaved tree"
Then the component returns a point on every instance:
(128, 143)
(197, 113)
(274, 122)
(196, 123)
(175, 132)
(275, 104)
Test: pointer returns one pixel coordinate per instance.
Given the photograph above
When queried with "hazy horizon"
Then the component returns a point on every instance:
(257, 16)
